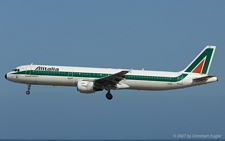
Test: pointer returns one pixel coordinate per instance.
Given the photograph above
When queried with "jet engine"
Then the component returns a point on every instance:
(87, 87)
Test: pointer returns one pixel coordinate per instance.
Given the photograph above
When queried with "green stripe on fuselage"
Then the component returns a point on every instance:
(100, 75)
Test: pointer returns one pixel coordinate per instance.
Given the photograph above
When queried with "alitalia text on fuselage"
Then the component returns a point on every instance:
(40, 68)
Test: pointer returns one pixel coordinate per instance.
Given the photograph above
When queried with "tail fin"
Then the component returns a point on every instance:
(202, 62)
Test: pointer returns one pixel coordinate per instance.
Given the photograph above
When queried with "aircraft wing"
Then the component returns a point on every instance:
(111, 81)
(203, 78)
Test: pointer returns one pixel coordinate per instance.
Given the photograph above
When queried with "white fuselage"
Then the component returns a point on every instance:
(135, 79)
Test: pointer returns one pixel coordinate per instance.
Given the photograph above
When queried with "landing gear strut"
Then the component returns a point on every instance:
(28, 90)
(109, 96)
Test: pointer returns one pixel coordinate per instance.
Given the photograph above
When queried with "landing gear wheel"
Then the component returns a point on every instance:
(28, 89)
(27, 92)
(109, 96)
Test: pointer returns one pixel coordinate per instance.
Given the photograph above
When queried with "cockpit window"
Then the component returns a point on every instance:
(17, 70)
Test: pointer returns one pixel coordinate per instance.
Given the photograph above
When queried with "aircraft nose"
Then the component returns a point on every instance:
(5, 76)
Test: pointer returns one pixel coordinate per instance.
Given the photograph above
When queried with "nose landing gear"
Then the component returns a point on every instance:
(28, 90)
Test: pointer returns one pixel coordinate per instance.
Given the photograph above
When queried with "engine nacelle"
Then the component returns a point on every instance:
(85, 87)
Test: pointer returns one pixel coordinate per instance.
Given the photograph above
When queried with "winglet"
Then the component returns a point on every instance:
(201, 64)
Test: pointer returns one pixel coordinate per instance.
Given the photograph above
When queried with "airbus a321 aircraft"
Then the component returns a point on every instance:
(89, 80)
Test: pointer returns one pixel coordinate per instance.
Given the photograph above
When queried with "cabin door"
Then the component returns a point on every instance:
(70, 74)
(180, 80)
(28, 72)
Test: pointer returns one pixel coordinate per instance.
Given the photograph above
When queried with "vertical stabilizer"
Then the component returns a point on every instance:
(201, 64)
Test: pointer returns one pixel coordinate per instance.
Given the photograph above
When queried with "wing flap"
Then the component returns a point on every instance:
(111, 81)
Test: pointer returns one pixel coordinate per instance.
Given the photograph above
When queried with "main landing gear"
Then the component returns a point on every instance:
(28, 89)
(109, 96)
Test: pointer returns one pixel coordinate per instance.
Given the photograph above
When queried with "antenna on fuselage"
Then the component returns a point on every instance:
(31, 64)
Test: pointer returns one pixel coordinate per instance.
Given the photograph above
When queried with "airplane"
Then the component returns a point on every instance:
(90, 80)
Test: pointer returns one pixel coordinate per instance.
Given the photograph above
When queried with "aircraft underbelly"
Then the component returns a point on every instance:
(152, 85)
(133, 84)
(49, 80)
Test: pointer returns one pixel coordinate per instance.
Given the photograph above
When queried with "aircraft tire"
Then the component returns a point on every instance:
(109, 96)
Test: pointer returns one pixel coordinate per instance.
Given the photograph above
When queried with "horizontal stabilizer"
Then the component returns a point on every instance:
(203, 78)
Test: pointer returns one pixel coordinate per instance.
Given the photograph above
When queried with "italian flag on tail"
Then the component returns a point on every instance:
(202, 62)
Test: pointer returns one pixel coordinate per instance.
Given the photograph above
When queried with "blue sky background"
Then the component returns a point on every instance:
(155, 35)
